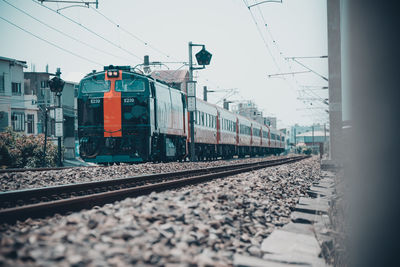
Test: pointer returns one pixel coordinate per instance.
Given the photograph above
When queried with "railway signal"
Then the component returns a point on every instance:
(203, 57)
(56, 85)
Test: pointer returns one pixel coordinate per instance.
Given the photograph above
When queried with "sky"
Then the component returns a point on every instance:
(247, 44)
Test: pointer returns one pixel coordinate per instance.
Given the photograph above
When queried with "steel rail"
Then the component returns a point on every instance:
(114, 190)
(44, 169)
(9, 199)
(71, 167)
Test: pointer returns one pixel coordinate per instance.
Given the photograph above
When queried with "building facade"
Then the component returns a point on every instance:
(37, 84)
(18, 108)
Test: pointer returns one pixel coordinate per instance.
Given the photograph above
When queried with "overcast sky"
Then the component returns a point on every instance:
(244, 53)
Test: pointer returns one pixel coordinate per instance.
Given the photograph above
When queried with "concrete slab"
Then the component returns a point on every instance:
(312, 205)
(247, 261)
(324, 185)
(295, 260)
(315, 192)
(299, 228)
(313, 201)
(329, 190)
(292, 248)
(304, 218)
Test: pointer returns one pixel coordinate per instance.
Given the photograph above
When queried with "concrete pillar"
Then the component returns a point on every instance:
(370, 45)
(335, 88)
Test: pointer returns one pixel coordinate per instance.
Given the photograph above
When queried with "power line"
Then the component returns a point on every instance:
(280, 51)
(89, 30)
(129, 33)
(44, 40)
(61, 32)
(262, 36)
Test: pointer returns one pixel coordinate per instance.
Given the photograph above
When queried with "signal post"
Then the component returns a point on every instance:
(203, 57)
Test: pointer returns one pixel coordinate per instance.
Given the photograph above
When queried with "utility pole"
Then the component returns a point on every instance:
(205, 93)
(312, 138)
(191, 113)
(56, 86)
(203, 58)
(58, 73)
(45, 137)
(295, 141)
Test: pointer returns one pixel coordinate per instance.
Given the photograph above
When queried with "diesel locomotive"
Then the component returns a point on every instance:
(126, 116)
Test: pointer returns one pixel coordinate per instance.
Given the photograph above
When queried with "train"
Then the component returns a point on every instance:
(125, 116)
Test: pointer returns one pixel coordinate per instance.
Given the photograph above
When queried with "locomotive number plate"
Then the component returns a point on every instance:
(95, 101)
(129, 101)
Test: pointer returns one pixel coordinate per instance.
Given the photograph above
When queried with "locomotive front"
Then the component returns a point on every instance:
(113, 116)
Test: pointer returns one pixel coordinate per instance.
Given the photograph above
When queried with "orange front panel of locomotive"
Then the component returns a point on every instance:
(112, 109)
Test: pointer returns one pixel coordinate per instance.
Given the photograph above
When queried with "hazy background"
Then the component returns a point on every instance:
(244, 50)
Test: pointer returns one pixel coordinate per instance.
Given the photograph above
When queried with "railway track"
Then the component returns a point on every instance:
(44, 169)
(42, 202)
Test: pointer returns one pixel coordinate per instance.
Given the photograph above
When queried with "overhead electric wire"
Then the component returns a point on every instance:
(129, 33)
(282, 56)
(89, 30)
(63, 33)
(262, 36)
(274, 43)
(44, 40)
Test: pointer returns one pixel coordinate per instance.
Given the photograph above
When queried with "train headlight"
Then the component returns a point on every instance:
(112, 73)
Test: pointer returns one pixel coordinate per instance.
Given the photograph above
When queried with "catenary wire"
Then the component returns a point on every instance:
(89, 30)
(57, 46)
(274, 42)
(129, 33)
(63, 33)
(262, 36)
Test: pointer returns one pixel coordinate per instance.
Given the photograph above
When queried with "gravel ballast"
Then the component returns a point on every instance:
(197, 225)
(36, 179)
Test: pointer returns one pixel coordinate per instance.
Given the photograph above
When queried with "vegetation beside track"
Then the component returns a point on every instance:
(25, 151)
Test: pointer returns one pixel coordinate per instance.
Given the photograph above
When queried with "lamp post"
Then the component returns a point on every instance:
(56, 85)
(45, 136)
(203, 58)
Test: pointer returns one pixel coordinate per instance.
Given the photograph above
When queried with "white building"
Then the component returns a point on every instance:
(18, 109)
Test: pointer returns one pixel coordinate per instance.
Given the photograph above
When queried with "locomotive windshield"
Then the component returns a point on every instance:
(129, 85)
(94, 86)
